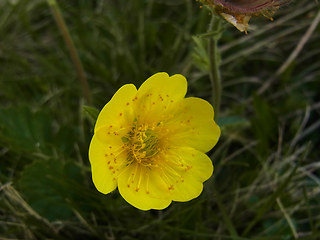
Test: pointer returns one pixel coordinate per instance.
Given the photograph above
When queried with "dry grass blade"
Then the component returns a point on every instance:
(293, 55)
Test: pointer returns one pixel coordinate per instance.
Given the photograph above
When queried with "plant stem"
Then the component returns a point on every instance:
(214, 61)
(70, 45)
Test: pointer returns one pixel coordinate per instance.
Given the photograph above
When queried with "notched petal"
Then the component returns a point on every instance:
(193, 125)
(184, 172)
(119, 110)
(137, 190)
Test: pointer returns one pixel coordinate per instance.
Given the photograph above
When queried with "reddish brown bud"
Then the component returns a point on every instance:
(239, 12)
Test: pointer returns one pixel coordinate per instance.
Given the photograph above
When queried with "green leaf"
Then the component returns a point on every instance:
(24, 129)
(231, 120)
(91, 112)
(199, 54)
(51, 188)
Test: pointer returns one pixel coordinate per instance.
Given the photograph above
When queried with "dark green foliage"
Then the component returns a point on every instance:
(25, 130)
(91, 113)
(52, 188)
(264, 124)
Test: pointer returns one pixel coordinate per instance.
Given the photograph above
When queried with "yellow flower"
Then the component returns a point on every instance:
(151, 143)
(239, 12)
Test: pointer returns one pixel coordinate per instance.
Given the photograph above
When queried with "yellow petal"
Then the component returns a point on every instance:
(139, 187)
(158, 93)
(192, 124)
(112, 134)
(118, 111)
(106, 163)
(186, 170)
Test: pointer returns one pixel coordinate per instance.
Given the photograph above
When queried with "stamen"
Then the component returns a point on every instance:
(142, 144)
(132, 175)
(147, 183)
(172, 171)
(139, 181)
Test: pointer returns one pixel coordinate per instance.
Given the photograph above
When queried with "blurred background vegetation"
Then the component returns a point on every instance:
(266, 182)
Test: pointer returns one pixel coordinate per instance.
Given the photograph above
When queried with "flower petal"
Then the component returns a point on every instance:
(106, 163)
(186, 172)
(160, 83)
(112, 135)
(142, 188)
(158, 93)
(118, 111)
(192, 124)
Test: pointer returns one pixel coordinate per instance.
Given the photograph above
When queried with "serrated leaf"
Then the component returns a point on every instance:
(25, 129)
(199, 54)
(49, 187)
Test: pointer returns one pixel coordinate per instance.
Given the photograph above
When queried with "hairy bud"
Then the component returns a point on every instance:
(239, 12)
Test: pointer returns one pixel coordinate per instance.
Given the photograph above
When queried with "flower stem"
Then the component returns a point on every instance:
(70, 45)
(214, 62)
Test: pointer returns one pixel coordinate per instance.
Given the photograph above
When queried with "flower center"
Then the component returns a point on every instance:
(142, 144)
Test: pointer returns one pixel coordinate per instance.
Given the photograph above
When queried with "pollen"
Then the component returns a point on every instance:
(143, 144)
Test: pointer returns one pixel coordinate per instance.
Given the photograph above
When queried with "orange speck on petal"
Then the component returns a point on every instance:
(154, 154)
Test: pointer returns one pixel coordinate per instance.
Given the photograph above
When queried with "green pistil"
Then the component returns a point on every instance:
(142, 144)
